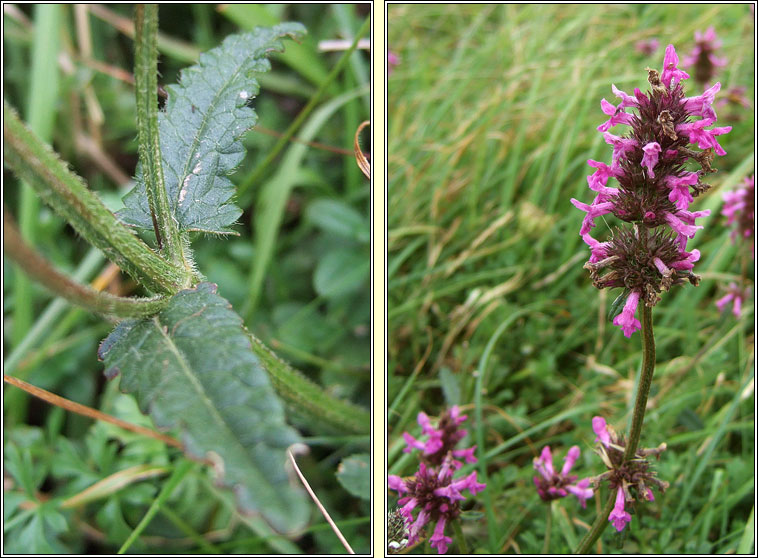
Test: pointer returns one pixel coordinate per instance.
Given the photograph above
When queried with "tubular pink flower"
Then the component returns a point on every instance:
(688, 260)
(616, 116)
(438, 539)
(570, 459)
(670, 71)
(702, 137)
(626, 320)
(600, 428)
(650, 159)
(626, 100)
(618, 516)
(593, 211)
(582, 491)
(598, 180)
(734, 295)
(701, 105)
(680, 192)
(621, 146)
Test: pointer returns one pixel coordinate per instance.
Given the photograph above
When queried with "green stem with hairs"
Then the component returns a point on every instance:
(146, 87)
(548, 527)
(640, 404)
(40, 269)
(35, 162)
(307, 398)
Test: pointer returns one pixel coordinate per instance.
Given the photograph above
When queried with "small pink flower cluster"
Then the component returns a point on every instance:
(625, 476)
(703, 56)
(739, 210)
(552, 485)
(433, 490)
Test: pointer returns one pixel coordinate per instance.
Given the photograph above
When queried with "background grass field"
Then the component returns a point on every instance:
(306, 220)
(492, 116)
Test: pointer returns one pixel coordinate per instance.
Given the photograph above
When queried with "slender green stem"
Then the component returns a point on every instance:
(35, 162)
(309, 399)
(601, 522)
(643, 389)
(263, 165)
(646, 379)
(41, 109)
(462, 546)
(180, 471)
(146, 87)
(548, 527)
(82, 295)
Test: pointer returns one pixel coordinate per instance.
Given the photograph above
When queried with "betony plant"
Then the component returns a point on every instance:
(182, 351)
(649, 254)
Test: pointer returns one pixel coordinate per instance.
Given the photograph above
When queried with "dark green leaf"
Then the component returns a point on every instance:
(191, 367)
(200, 130)
(354, 474)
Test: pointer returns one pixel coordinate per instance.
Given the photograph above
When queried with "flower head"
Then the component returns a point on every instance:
(647, 46)
(442, 438)
(735, 294)
(436, 496)
(552, 485)
(703, 56)
(632, 480)
(654, 188)
(432, 491)
(739, 209)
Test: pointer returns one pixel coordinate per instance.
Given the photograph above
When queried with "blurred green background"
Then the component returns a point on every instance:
(492, 113)
(298, 272)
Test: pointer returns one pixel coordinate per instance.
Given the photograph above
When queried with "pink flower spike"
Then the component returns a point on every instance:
(670, 71)
(618, 516)
(626, 320)
(600, 428)
(650, 158)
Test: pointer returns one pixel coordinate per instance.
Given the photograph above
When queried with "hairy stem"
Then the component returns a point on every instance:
(35, 162)
(643, 389)
(601, 522)
(548, 528)
(309, 399)
(40, 269)
(646, 380)
(146, 85)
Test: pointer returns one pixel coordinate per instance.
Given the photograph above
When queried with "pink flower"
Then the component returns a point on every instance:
(392, 61)
(680, 192)
(618, 516)
(551, 485)
(600, 428)
(670, 71)
(647, 46)
(617, 116)
(626, 320)
(650, 159)
(702, 137)
(739, 209)
(735, 295)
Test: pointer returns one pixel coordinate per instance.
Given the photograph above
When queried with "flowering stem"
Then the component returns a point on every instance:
(646, 379)
(462, 547)
(548, 527)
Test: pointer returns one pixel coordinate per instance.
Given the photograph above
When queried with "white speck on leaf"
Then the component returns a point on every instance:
(244, 95)
(197, 168)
